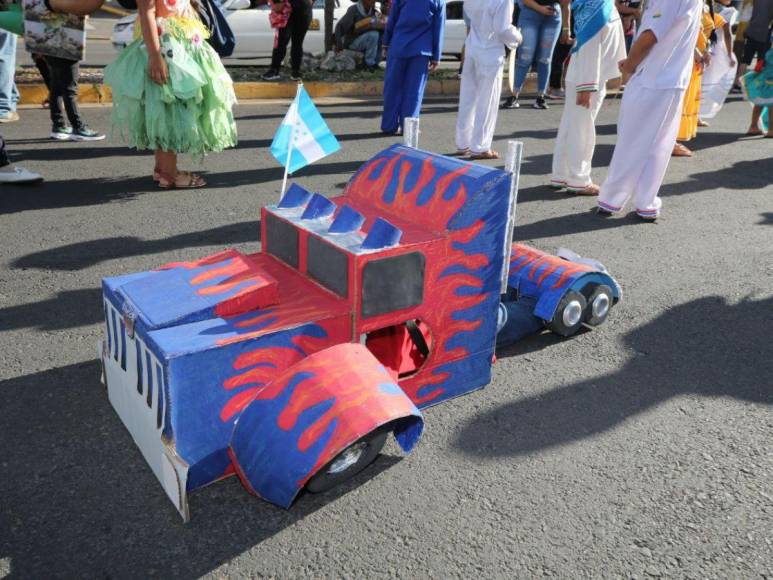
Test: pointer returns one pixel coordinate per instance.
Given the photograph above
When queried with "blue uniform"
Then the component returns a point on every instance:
(414, 37)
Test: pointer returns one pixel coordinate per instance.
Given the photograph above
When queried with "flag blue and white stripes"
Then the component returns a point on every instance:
(311, 137)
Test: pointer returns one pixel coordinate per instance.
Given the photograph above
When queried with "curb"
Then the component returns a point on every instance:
(34, 94)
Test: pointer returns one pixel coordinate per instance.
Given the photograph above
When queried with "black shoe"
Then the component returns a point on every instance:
(511, 103)
(271, 75)
(540, 103)
(83, 133)
(601, 212)
(296, 76)
(61, 132)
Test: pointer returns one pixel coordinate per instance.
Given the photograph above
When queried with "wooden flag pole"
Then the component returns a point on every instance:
(294, 122)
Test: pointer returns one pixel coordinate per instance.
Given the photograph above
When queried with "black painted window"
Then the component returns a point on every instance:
(282, 240)
(328, 265)
(391, 284)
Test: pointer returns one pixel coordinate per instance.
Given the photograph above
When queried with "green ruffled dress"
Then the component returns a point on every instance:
(191, 113)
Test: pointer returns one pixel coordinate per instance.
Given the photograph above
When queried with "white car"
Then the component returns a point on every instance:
(255, 37)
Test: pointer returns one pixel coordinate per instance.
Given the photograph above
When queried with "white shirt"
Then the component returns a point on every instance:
(491, 27)
(596, 61)
(676, 24)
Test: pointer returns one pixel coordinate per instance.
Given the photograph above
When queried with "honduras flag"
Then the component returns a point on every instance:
(311, 137)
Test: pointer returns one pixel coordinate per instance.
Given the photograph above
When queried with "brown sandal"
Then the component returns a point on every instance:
(485, 155)
(681, 151)
(193, 181)
(591, 189)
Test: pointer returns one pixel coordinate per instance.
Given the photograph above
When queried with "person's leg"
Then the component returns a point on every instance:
(69, 70)
(170, 177)
(550, 30)
(415, 80)
(754, 126)
(562, 147)
(280, 50)
(560, 54)
(8, 96)
(393, 93)
(367, 44)
(583, 143)
(634, 141)
(468, 96)
(529, 21)
(3, 154)
(300, 20)
(56, 91)
(647, 202)
(489, 80)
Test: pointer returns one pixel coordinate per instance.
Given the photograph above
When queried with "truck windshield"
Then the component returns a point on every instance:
(281, 240)
(328, 265)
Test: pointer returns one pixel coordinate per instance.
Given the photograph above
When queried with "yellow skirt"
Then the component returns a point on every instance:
(692, 106)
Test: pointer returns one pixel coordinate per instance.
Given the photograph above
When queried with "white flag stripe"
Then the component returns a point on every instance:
(304, 141)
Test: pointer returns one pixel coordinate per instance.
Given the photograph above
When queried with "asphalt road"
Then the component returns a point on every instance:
(641, 449)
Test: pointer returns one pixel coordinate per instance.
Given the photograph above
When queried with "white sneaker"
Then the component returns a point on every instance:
(11, 174)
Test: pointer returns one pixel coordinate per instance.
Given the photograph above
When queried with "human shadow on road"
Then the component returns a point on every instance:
(77, 152)
(89, 253)
(767, 219)
(68, 309)
(742, 176)
(79, 500)
(706, 347)
(231, 179)
(575, 223)
(72, 193)
(542, 165)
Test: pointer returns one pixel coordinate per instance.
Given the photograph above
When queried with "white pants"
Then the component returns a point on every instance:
(478, 101)
(646, 133)
(576, 140)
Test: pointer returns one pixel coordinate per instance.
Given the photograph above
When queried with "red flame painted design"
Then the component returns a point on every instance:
(530, 260)
(262, 366)
(350, 378)
(256, 289)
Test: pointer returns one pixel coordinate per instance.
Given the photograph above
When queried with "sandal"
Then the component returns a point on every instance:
(591, 189)
(702, 123)
(681, 151)
(461, 153)
(753, 133)
(189, 181)
(485, 155)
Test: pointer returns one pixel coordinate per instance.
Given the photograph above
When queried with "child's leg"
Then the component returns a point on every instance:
(64, 85)
(170, 176)
(54, 93)
(754, 126)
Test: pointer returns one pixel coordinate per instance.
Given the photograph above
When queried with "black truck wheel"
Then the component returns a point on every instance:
(569, 314)
(349, 462)
(599, 304)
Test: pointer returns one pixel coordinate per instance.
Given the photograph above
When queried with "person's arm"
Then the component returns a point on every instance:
(438, 27)
(75, 7)
(394, 15)
(506, 33)
(639, 51)
(157, 69)
(586, 69)
(344, 26)
(566, 22)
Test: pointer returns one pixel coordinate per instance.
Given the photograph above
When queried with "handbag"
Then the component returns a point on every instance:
(221, 37)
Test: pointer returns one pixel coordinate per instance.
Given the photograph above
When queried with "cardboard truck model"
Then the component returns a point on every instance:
(289, 367)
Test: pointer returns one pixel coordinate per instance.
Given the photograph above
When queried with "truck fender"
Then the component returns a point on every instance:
(310, 413)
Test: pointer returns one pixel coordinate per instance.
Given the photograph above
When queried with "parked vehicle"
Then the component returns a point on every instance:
(291, 366)
(255, 37)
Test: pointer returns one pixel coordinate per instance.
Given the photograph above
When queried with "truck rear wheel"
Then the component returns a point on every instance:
(599, 303)
(349, 462)
(569, 314)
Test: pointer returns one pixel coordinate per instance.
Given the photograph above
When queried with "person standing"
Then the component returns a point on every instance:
(600, 46)
(540, 23)
(688, 127)
(294, 31)
(756, 34)
(9, 95)
(171, 92)
(659, 68)
(413, 43)
(490, 30)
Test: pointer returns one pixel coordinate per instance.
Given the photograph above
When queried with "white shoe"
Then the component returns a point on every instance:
(11, 174)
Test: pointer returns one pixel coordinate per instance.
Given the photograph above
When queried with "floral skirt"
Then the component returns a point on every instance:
(191, 112)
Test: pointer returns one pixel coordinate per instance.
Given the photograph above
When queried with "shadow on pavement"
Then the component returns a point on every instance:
(72, 193)
(75, 152)
(575, 223)
(80, 501)
(723, 350)
(767, 219)
(742, 176)
(85, 254)
(68, 309)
